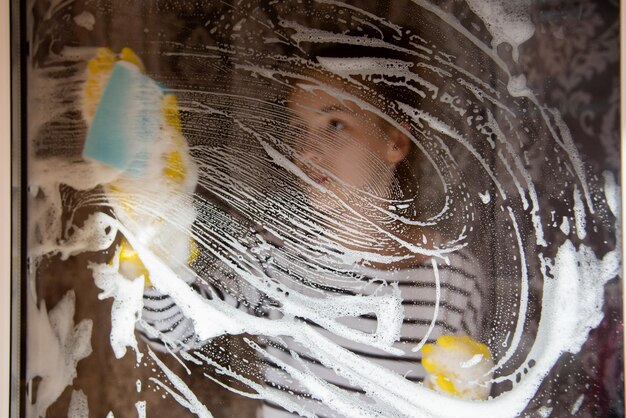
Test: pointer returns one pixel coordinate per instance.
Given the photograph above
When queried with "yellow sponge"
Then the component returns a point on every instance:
(458, 366)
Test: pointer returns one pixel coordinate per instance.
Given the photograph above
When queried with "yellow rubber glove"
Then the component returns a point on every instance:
(171, 167)
(131, 266)
(458, 366)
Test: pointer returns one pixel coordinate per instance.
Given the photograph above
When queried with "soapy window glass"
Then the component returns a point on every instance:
(321, 208)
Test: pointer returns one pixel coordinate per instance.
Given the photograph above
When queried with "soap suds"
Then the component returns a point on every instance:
(79, 407)
(55, 345)
(85, 20)
(160, 221)
(508, 22)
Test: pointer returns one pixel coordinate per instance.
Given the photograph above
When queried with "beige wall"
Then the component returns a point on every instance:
(5, 199)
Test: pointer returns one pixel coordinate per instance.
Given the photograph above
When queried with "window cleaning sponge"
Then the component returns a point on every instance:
(126, 120)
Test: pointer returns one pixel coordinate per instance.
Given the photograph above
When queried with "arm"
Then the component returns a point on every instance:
(460, 365)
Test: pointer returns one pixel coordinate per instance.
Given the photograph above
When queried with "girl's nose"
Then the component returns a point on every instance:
(310, 156)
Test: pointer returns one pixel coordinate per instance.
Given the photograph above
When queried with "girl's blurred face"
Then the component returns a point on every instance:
(339, 145)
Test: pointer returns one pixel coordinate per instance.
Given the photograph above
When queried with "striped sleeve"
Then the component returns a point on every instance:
(164, 326)
(460, 284)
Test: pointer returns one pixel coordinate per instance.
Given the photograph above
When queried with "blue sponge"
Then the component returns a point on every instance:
(126, 121)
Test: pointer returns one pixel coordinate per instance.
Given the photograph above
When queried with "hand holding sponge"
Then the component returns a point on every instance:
(458, 366)
(134, 126)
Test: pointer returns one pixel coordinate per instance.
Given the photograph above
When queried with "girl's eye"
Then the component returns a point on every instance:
(336, 125)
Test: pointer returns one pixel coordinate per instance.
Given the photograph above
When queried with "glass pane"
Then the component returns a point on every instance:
(318, 208)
